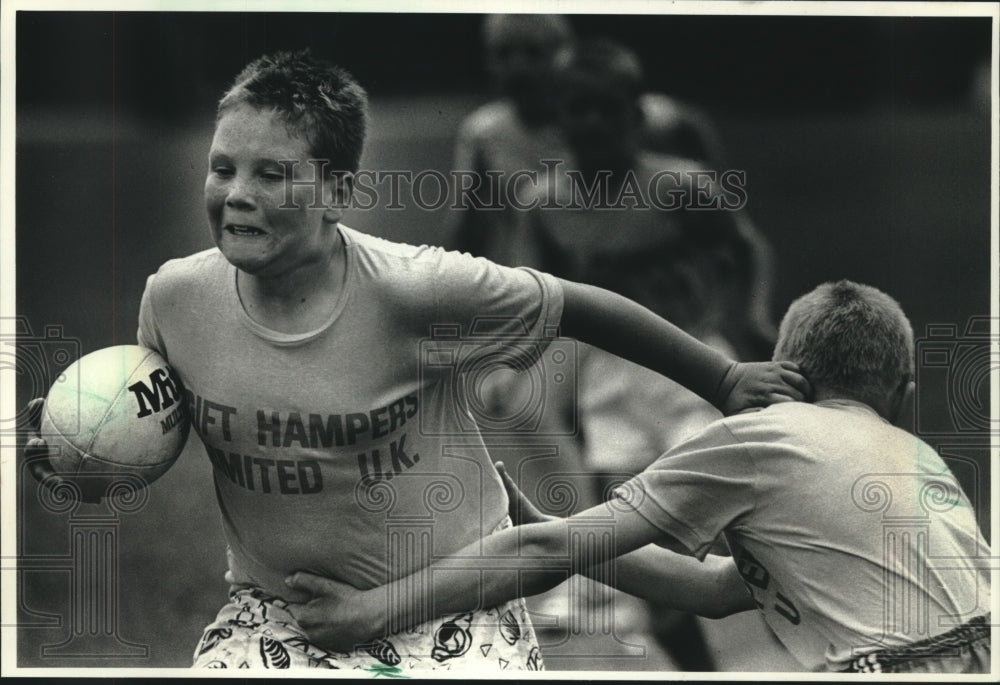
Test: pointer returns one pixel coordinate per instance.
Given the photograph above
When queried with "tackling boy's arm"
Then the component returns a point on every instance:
(618, 325)
(711, 588)
(520, 561)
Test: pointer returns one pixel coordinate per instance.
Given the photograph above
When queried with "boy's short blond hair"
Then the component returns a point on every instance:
(848, 337)
(319, 100)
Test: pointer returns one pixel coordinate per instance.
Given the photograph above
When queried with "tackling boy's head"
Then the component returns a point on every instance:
(319, 100)
(851, 339)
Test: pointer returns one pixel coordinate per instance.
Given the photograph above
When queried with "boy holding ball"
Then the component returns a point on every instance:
(300, 343)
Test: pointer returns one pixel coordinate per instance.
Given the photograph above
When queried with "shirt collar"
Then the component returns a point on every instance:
(852, 405)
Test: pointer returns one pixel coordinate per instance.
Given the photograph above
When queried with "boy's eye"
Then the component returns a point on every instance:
(274, 175)
(222, 171)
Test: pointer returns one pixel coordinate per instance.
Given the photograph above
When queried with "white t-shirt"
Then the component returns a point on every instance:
(346, 451)
(851, 535)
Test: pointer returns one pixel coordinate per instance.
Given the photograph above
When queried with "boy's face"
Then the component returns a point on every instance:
(520, 55)
(597, 116)
(263, 223)
(520, 58)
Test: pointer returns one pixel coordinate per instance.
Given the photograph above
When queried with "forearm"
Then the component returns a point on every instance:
(711, 588)
(516, 562)
(520, 561)
(624, 328)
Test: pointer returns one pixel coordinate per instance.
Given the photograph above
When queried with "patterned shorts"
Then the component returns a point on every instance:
(255, 630)
(965, 649)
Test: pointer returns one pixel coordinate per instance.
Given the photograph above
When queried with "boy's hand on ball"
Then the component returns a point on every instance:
(36, 457)
(339, 616)
(36, 450)
(759, 384)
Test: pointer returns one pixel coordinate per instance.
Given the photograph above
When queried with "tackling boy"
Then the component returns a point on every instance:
(849, 534)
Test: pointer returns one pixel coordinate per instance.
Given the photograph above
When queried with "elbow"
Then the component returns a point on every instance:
(717, 610)
(724, 602)
(728, 595)
(727, 609)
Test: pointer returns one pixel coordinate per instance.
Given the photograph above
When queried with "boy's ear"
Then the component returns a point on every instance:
(340, 188)
(902, 409)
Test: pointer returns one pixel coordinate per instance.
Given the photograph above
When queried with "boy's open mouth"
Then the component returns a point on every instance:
(237, 229)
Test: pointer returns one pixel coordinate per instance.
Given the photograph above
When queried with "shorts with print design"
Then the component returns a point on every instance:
(255, 630)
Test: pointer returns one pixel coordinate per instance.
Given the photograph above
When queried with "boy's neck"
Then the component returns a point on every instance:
(820, 394)
(619, 163)
(534, 113)
(299, 301)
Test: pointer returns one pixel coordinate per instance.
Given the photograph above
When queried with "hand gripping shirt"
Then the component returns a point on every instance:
(349, 451)
(851, 535)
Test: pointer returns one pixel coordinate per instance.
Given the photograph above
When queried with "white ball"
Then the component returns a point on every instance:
(120, 410)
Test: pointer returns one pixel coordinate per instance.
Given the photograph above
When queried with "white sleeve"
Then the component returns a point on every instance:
(148, 335)
(484, 297)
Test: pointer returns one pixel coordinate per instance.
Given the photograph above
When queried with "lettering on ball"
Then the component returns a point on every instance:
(162, 392)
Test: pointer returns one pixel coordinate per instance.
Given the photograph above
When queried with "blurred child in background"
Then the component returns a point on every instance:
(515, 132)
(694, 264)
(584, 109)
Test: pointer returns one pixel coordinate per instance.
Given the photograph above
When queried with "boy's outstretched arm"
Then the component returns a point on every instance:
(711, 588)
(519, 561)
(618, 325)
(516, 562)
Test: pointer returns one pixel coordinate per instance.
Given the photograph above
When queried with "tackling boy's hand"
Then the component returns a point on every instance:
(759, 384)
(522, 510)
(339, 616)
(36, 458)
